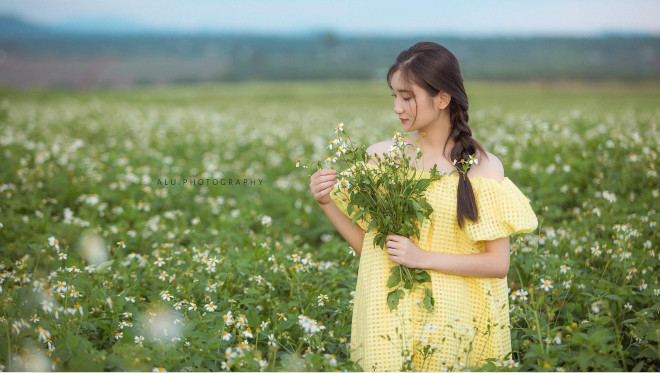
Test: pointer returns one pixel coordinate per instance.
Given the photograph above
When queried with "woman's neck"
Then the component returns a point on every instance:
(432, 141)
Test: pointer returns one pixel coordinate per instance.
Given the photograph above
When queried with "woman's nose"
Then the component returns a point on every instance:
(398, 109)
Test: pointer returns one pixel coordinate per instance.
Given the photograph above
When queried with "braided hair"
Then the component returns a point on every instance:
(434, 68)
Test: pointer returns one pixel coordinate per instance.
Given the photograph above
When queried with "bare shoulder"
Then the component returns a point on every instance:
(489, 167)
(379, 147)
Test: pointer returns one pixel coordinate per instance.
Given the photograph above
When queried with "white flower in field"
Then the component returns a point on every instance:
(567, 284)
(159, 262)
(595, 250)
(158, 369)
(50, 349)
(90, 268)
(557, 339)
(343, 183)
(282, 316)
(247, 333)
(595, 308)
(310, 326)
(130, 298)
(192, 306)
(628, 306)
(332, 359)
(322, 299)
(511, 363)
(44, 335)
(228, 318)
(643, 286)
(271, 340)
(242, 320)
(62, 256)
(139, 339)
(263, 364)
(61, 287)
(226, 336)
(53, 242)
(163, 276)
(210, 307)
(330, 144)
(165, 295)
(264, 324)
(339, 128)
(266, 221)
(564, 268)
(118, 335)
(546, 284)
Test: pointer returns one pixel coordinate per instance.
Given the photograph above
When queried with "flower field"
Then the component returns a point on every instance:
(168, 228)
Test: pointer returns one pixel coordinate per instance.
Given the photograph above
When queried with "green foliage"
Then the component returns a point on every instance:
(74, 164)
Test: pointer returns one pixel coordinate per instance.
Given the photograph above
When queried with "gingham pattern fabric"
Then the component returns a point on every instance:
(470, 321)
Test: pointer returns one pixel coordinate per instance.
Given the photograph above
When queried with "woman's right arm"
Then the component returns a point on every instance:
(321, 184)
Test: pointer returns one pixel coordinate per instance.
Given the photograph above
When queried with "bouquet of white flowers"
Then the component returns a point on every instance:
(387, 191)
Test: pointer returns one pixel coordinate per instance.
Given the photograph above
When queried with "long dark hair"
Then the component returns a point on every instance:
(434, 68)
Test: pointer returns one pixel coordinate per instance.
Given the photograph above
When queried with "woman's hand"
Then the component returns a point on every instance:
(321, 184)
(403, 251)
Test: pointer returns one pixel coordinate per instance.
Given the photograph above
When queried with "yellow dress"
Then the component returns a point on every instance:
(470, 320)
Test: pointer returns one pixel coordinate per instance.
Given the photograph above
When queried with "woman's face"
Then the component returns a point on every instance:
(415, 108)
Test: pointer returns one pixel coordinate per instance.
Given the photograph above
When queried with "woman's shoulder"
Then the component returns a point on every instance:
(489, 167)
(380, 147)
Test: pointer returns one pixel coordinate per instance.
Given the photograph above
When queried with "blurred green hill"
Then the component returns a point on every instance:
(38, 56)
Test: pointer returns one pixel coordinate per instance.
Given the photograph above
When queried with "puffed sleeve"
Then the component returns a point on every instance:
(503, 210)
(340, 197)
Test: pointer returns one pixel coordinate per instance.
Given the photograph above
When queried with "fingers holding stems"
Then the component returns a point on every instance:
(322, 183)
(405, 252)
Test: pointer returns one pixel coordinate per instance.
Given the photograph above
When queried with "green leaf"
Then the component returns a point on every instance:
(422, 276)
(424, 183)
(372, 224)
(393, 298)
(429, 302)
(395, 278)
(614, 297)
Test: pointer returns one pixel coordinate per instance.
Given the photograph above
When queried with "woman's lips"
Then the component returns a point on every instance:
(403, 120)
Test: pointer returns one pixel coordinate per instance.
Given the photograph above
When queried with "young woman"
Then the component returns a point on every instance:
(464, 244)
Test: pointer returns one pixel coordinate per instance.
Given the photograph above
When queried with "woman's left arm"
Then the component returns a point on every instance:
(494, 262)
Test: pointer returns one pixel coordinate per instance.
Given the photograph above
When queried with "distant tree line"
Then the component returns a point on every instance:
(191, 58)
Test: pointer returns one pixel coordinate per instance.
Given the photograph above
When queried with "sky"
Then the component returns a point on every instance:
(368, 17)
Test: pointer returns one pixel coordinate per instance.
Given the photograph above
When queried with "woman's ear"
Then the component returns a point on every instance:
(442, 100)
